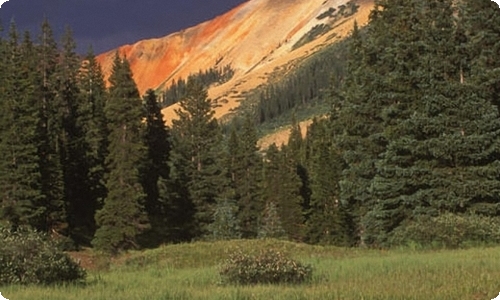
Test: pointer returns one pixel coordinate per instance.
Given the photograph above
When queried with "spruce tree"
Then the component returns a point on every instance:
(225, 225)
(244, 164)
(196, 145)
(195, 151)
(444, 157)
(72, 140)
(281, 186)
(20, 179)
(157, 141)
(296, 151)
(122, 217)
(328, 218)
(480, 20)
(51, 132)
(92, 121)
(376, 93)
(270, 225)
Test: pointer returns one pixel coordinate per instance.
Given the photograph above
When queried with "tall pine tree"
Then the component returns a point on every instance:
(72, 139)
(122, 217)
(157, 141)
(328, 219)
(480, 20)
(51, 131)
(195, 164)
(445, 156)
(20, 179)
(281, 188)
(244, 165)
(92, 121)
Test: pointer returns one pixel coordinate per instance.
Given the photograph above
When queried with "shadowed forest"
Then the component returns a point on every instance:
(408, 152)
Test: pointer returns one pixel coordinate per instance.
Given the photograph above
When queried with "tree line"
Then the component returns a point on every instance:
(416, 120)
(178, 89)
(412, 135)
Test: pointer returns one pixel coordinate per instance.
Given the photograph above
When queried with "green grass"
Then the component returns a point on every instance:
(190, 271)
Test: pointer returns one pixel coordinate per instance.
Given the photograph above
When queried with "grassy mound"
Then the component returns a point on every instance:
(209, 254)
(191, 271)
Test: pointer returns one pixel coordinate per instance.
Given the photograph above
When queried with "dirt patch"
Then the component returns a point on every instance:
(91, 261)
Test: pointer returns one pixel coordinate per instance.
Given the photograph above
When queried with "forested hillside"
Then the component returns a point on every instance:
(409, 150)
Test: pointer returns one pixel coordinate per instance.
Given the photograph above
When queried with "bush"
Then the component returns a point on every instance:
(449, 230)
(268, 267)
(29, 257)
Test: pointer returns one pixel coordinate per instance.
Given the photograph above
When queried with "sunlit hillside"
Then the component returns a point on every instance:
(255, 39)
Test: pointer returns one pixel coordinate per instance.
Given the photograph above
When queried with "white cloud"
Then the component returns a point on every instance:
(2, 2)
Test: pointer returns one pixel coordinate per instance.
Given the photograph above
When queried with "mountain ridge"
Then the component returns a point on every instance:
(254, 38)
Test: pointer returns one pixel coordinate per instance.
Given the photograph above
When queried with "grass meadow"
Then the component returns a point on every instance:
(190, 271)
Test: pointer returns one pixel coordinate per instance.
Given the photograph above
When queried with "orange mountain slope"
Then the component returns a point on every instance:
(254, 38)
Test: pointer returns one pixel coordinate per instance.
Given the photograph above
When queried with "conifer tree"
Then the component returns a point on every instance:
(195, 152)
(244, 164)
(21, 201)
(225, 225)
(281, 186)
(174, 191)
(72, 140)
(328, 219)
(157, 141)
(270, 225)
(92, 121)
(481, 22)
(122, 217)
(375, 94)
(296, 151)
(444, 157)
(51, 132)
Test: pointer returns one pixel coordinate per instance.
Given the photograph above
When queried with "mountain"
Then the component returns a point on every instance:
(255, 39)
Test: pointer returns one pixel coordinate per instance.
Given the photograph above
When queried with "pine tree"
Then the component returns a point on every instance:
(174, 192)
(72, 140)
(92, 121)
(157, 141)
(328, 220)
(281, 186)
(296, 149)
(271, 226)
(225, 225)
(20, 179)
(244, 165)
(50, 149)
(122, 217)
(444, 157)
(480, 20)
(195, 151)
(376, 93)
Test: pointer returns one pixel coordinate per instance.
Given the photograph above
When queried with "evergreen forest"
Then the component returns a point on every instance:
(409, 151)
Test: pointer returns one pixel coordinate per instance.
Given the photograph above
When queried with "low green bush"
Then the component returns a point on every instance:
(29, 257)
(449, 231)
(267, 267)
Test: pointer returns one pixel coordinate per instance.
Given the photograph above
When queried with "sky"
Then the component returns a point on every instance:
(107, 24)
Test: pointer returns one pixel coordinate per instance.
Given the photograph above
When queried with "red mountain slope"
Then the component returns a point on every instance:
(254, 38)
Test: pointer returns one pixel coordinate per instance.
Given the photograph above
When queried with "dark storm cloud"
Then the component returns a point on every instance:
(107, 24)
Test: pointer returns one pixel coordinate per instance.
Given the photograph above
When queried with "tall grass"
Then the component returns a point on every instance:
(190, 271)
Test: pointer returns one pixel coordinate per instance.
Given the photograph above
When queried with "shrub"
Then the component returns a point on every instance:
(268, 267)
(449, 230)
(29, 257)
